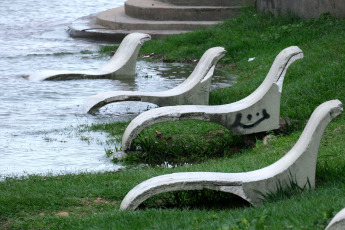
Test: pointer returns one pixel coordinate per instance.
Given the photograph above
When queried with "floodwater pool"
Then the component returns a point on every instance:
(40, 121)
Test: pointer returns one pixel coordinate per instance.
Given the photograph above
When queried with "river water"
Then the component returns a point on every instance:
(40, 121)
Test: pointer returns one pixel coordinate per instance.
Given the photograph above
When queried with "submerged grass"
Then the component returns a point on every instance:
(92, 200)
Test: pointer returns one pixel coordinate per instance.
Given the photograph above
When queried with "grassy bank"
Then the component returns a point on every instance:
(92, 200)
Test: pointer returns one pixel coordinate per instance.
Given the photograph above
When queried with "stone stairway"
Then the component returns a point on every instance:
(158, 18)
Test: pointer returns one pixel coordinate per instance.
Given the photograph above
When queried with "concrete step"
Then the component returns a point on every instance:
(86, 27)
(159, 18)
(116, 19)
(211, 3)
(164, 11)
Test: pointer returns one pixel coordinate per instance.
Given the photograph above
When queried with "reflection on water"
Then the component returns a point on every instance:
(40, 120)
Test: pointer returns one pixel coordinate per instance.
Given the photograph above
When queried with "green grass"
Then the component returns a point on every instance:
(92, 200)
(172, 143)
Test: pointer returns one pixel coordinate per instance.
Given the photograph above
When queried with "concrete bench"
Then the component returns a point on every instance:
(257, 112)
(298, 165)
(338, 222)
(121, 65)
(193, 91)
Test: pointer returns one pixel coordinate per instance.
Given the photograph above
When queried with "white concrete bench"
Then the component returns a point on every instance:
(298, 165)
(121, 65)
(257, 112)
(193, 91)
(338, 222)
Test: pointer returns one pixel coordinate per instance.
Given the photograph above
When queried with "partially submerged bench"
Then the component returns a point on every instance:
(122, 64)
(298, 165)
(257, 112)
(193, 91)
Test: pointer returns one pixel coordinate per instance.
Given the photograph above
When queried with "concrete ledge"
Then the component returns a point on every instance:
(160, 11)
(303, 8)
(211, 3)
(298, 165)
(86, 27)
(116, 19)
